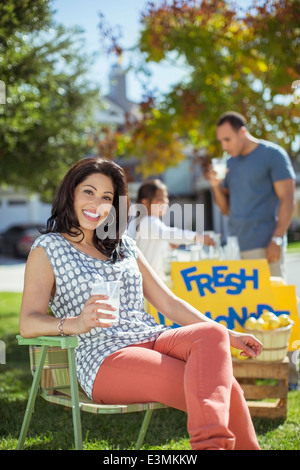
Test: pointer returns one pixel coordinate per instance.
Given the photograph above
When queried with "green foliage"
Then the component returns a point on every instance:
(23, 16)
(245, 61)
(49, 101)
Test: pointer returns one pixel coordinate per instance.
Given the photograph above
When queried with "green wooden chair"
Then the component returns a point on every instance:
(52, 363)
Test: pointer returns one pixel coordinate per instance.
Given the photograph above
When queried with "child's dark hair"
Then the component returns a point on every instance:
(148, 190)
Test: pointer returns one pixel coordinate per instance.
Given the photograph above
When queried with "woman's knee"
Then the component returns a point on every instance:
(205, 337)
(213, 331)
(212, 339)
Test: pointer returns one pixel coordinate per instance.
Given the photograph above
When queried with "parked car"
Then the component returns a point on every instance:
(17, 240)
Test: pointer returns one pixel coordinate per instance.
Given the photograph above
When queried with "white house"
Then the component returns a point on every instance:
(17, 207)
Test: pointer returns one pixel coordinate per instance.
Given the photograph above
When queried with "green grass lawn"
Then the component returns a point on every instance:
(51, 425)
(293, 247)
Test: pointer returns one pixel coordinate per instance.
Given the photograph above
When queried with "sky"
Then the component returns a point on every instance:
(125, 14)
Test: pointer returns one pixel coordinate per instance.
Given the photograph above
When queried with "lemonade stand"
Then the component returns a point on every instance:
(241, 295)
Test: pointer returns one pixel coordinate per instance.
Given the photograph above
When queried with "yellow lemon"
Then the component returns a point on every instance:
(271, 320)
(242, 358)
(260, 324)
(250, 323)
(237, 353)
(285, 320)
(268, 315)
(272, 323)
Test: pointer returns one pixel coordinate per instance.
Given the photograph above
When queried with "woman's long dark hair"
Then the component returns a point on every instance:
(63, 218)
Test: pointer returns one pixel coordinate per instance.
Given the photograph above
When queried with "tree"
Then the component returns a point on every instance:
(48, 99)
(246, 61)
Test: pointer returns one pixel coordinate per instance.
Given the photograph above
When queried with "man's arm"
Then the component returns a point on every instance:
(284, 190)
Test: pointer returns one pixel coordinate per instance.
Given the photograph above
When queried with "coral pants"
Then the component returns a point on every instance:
(187, 368)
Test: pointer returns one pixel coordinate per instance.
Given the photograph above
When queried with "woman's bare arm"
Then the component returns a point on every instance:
(182, 313)
(39, 286)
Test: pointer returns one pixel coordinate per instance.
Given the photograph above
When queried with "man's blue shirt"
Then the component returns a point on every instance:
(253, 201)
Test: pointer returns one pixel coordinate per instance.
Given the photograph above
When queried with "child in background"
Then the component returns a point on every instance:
(153, 237)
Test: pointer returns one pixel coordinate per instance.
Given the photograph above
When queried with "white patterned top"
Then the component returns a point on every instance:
(75, 273)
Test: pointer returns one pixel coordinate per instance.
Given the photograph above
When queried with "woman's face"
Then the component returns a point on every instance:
(93, 199)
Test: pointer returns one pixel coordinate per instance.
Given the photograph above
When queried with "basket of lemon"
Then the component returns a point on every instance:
(273, 332)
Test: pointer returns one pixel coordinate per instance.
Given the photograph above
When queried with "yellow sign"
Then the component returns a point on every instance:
(229, 292)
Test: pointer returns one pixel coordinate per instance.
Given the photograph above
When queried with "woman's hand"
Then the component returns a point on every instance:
(93, 312)
(249, 345)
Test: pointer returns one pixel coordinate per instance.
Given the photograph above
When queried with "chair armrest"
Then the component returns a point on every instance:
(65, 342)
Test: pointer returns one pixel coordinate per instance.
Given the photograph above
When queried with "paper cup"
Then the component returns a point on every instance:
(220, 167)
(112, 290)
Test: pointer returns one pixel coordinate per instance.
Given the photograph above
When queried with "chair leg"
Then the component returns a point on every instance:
(75, 400)
(32, 397)
(143, 430)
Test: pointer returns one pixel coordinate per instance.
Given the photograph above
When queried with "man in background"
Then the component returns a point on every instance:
(257, 193)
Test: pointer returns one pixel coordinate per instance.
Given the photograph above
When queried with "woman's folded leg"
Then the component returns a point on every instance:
(188, 368)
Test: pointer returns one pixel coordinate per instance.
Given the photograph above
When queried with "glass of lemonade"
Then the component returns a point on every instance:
(220, 167)
(112, 290)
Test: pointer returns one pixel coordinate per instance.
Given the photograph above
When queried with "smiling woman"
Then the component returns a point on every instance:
(132, 359)
(91, 190)
(94, 198)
